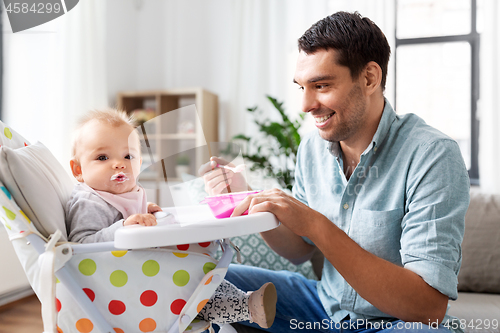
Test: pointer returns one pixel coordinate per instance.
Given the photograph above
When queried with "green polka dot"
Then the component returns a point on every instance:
(208, 267)
(195, 320)
(7, 133)
(189, 328)
(7, 225)
(9, 213)
(118, 278)
(181, 278)
(87, 267)
(150, 268)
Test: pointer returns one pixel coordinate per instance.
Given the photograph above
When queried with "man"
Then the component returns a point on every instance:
(383, 197)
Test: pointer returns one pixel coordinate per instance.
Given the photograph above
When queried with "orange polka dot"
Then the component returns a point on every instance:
(209, 280)
(59, 330)
(201, 305)
(84, 325)
(118, 330)
(180, 255)
(147, 325)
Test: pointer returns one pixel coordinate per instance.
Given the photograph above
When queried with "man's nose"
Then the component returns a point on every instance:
(309, 101)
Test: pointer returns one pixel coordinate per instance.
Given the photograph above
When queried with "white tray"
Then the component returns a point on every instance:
(196, 224)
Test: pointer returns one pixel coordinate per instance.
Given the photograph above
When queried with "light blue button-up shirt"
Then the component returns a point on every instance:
(405, 202)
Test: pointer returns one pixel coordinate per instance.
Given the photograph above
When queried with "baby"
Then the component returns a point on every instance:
(106, 162)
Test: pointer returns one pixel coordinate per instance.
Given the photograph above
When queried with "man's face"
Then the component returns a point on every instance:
(333, 98)
(107, 159)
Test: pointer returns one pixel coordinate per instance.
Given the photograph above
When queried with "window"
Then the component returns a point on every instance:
(437, 69)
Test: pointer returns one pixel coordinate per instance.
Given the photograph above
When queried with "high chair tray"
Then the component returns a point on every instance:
(195, 224)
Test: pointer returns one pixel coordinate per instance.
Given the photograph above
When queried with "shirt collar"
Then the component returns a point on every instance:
(388, 117)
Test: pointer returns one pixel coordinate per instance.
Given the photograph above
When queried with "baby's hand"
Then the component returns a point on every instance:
(141, 219)
(153, 208)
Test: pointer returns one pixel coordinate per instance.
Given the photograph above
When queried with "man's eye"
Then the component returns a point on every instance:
(102, 158)
(321, 86)
(301, 88)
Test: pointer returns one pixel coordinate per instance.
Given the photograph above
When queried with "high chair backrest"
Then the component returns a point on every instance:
(36, 180)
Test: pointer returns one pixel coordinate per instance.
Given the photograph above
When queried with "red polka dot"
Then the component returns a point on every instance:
(25, 144)
(116, 307)
(90, 293)
(58, 305)
(204, 244)
(183, 247)
(177, 305)
(149, 298)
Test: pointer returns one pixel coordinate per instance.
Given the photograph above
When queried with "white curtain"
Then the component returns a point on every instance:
(489, 103)
(53, 73)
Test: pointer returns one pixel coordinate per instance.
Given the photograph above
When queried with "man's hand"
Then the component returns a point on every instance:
(141, 219)
(296, 216)
(153, 208)
(218, 179)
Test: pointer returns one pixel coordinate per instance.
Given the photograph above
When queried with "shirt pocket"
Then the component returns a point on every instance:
(379, 232)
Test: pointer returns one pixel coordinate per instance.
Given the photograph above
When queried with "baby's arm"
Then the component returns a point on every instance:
(90, 220)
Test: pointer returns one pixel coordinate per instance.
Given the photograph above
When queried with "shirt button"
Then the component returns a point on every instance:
(346, 206)
(375, 149)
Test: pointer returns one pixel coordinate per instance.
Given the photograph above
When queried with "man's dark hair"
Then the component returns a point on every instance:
(356, 39)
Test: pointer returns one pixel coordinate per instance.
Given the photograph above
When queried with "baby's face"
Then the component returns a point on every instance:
(107, 160)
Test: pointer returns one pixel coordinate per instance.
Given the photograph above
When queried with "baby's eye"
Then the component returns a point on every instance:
(129, 157)
(102, 158)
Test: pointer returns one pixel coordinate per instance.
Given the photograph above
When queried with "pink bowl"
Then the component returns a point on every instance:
(223, 205)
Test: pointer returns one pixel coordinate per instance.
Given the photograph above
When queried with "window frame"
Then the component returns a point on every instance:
(473, 38)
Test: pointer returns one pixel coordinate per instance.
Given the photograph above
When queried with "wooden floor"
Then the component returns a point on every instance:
(22, 316)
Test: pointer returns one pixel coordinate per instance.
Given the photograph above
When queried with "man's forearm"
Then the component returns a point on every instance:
(288, 245)
(394, 290)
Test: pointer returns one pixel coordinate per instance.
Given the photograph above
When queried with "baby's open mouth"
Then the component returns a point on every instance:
(119, 177)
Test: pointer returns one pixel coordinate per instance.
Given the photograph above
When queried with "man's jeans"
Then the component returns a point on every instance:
(299, 307)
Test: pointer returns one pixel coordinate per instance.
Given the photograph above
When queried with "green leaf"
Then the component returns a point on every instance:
(276, 148)
(241, 137)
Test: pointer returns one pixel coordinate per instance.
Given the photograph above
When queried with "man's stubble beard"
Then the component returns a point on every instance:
(355, 109)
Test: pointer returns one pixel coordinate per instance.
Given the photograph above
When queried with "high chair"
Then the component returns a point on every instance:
(99, 287)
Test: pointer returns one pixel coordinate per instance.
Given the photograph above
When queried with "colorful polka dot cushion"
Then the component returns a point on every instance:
(139, 291)
(10, 138)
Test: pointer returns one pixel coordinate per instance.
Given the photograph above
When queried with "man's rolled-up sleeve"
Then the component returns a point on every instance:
(433, 226)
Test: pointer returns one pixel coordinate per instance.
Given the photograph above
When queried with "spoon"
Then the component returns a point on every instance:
(236, 169)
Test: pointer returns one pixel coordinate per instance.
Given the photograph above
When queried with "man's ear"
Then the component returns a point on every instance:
(373, 77)
(77, 170)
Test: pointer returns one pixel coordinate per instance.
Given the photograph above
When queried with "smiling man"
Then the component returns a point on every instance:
(391, 235)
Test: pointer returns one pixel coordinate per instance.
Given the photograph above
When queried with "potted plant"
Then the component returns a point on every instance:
(275, 151)
(182, 165)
